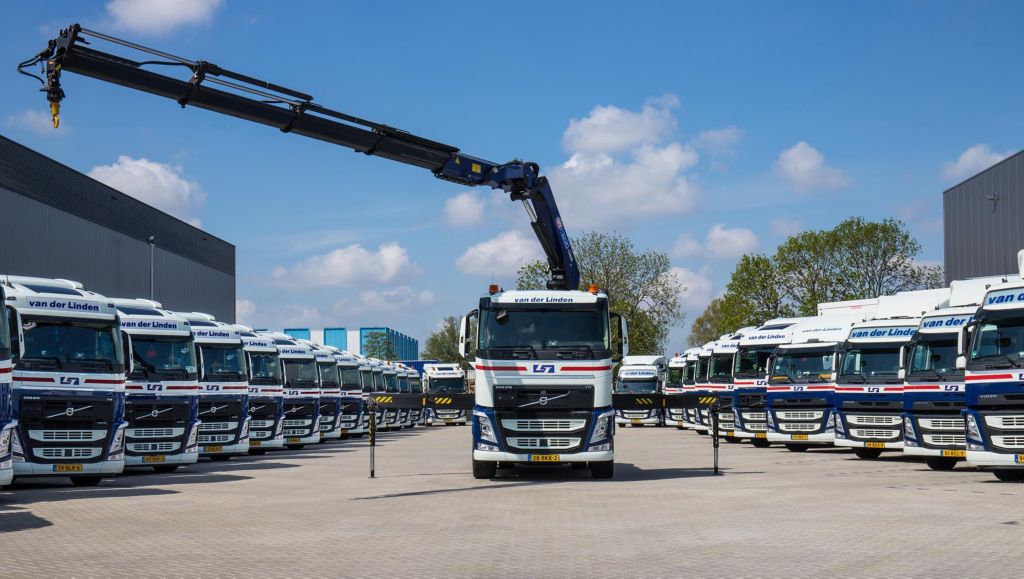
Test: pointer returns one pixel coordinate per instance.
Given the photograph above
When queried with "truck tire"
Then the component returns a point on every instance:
(732, 439)
(296, 446)
(702, 432)
(867, 453)
(257, 451)
(166, 468)
(484, 470)
(360, 435)
(760, 443)
(680, 427)
(602, 470)
(940, 463)
(1009, 474)
(796, 447)
(86, 481)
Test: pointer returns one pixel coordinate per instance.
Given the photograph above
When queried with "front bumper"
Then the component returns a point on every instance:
(270, 443)
(820, 438)
(588, 456)
(87, 469)
(189, 457)
(232, 449)
(985, 459)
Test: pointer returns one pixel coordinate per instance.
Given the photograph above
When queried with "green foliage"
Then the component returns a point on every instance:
(640, 285)
(857, 259)
(443, 345)
(379, 346)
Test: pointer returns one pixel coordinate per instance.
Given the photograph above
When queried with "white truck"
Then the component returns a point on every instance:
(639, 390)
(68, 380)
(224, 381)
(720, 380)
(353, 420)
(330, 391)
(301, 391)
(162, 392)
(392, 414)
(702, 387)
(675, 415)
(686, 416)
(543, 394)
(266, 391)
(444, 384)
(933, 386)
(869, 392)
(7, 422)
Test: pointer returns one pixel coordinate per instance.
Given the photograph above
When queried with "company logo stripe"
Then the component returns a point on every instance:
(989, 377)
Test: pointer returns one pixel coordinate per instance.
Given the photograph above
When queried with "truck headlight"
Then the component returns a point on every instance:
(602, 427)
(485, 427)
(908, 432)
(5, 441)
(118, 442)
(974, 440)
(16, 450)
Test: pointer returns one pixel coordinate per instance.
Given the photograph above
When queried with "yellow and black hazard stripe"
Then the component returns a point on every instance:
(443, 400)
(645, 401)
(384, 399)
(707, 399)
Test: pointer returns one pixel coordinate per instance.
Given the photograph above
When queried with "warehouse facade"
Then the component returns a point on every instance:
(60, 223)
(405, 347)
(983, 221)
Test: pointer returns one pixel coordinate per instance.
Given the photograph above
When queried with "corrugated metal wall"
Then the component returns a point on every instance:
(983, 221)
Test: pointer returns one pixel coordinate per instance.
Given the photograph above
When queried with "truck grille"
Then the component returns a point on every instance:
(756, 426)
(800, 415)
(215, 438)
(754, 416)
(66, 427)
(942, 423)
(543, 443)
(217, 426)
(1013, 421)
(261, 424)
(153, 446)
(1014, 442)
(67, 435)
(65, 453)
(154, 432)
(798, 427)
(944, 439)
(298, 422)
(875, 433)
(873, 420)
(553, 425)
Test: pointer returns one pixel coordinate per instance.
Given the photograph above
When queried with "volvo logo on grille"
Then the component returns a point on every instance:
(69, 411)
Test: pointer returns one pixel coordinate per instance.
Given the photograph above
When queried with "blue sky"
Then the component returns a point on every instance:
(702, 130)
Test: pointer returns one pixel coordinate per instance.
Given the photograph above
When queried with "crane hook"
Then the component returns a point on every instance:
(55, 113)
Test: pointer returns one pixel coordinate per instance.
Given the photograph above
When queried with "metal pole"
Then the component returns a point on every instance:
(713, 410)
(372, 409)
(152, 246)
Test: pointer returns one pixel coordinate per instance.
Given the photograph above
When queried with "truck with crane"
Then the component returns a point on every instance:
(569, 334)
(266, 391)
(162, 391)
(69, 369)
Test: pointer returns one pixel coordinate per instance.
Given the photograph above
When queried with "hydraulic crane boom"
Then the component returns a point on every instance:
(292, 111)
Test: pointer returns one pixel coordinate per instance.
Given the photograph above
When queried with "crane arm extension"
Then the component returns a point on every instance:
(223, 91)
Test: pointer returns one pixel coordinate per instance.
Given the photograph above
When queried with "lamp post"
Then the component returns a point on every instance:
(152, 247)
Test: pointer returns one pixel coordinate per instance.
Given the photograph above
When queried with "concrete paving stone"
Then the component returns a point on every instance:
(772, 513)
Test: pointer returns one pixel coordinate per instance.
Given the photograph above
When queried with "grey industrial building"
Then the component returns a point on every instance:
(59, 223)
(983, 221)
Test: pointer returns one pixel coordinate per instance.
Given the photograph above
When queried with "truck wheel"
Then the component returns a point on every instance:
(344, 437)
(483, 469)
(257, 451)
(86, 481)
(360, 435)
(680, 427)
(602, 470)
(940, 463)
(867, 453)
(796, 447)
(702, 432)
(733, 439)
(220, 457)
(1009, 474)
(166, 469)
(760, 443)
(578, 465)
(296, 446)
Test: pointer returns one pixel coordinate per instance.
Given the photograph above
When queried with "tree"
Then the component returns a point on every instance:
(640, 285)
(879, 258)
(443, 345)
(809, 271)
(378, 345)
(712, 323)
(754, 292)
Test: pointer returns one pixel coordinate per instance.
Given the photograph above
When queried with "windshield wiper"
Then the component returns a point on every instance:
(859, 378)
(53, 362)
(1005, 358)
(938, 375)
(786, 376)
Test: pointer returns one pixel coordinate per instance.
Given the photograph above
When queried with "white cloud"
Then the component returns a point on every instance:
(687, 246)
(34, 121)
(244, 311)
(730, 242)
(400, 298)
(464, 210)
(501, 255)
(610, 129)
(786, 227)
(350, 266)
(156, 17)
(719, 141)
(805, 169)
(697, 294)
(972, 161)
(161, 185)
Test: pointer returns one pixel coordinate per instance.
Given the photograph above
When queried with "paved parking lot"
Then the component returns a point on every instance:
(772, 513)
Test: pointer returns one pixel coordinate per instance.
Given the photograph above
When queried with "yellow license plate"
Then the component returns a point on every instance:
(681, 423)
(730, 433)
(294, 440)
(955, 453)
(154, 458)
(449, 421)
(798, 437)
(343, 431)
(636, 421)
(544, 458)
(68, 468)
(1019, 458)
(214, 448)
(760, 435)
(874, 444)
(255, 442)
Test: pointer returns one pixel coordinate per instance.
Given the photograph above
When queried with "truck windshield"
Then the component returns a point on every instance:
(691, 373)
(870, 364)
(328, 375)
(637, 386)
(998, 343)
(752, 362)
(415, 384)
(223, 362)
(350, 379)
(702, 369)
(579, 329)
(390, 383)
(721, 368)
(266, 369)
(163, 358)
(802, 365)
(300, 374)
(71, 345)
(366, 379)
(675, 375)
(934, 356)
(378, 381)
(447, 385)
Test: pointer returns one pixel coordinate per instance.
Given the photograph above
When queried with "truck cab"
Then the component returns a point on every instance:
(404, 414)
(391, 414)
(416, 415)
(639, 389)
(69, 369)
(7, 422)
(330, 391)
(224, 387)
(702, 386)
(720, 380)
(869, 391)
(750, 378)
(162, 391)
(352, 417)
(440, 380)
(266, 391)
(301, 391)
(543, 394)
(377, 376)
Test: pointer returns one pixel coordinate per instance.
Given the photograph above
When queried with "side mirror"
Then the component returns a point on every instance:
(17, 332)
(902, 374)
(129, 353)
(835, 376)
(620, 345)
(248, 366)
(465, 335)
(903, 357)
(961, 362)
(199, 359)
